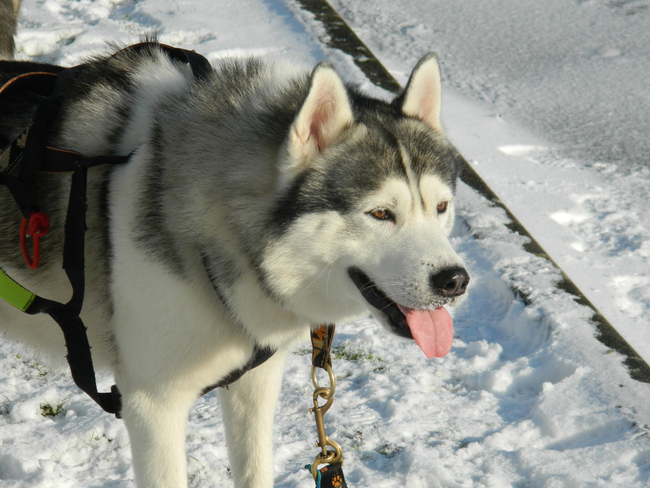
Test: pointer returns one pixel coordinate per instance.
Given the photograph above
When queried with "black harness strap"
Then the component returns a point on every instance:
(201, 67)
(260, 355)
(23, 186)
(33, 157)
(67, 315)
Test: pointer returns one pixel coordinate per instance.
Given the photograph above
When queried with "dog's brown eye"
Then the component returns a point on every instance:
(442, 207)
(382, 214)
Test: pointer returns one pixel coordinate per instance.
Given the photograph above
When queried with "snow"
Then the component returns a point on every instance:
(557, 125)
(527, 396)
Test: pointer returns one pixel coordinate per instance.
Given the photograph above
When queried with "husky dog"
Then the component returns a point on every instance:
(257, 203)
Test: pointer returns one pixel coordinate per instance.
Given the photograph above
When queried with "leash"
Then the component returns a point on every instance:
(331, 455)
(20, 162)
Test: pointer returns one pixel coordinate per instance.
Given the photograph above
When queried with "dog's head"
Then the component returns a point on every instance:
(367, 202)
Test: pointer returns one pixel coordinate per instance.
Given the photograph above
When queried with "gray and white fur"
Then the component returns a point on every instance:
(257, 204)
(8, 18)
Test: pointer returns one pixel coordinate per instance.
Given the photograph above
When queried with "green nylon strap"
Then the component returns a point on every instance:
(15, 294)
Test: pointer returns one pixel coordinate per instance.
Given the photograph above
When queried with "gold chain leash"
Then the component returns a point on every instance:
(330, 476)
(326, 456)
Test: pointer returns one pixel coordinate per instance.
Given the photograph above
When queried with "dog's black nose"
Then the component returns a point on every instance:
(451, 282)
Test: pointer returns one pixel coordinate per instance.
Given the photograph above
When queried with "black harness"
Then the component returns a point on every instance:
(19, 164)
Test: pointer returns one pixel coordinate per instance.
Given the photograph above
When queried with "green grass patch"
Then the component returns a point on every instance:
(352, 352)
(49, 410)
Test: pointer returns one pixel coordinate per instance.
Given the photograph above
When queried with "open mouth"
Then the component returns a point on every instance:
(431, 329)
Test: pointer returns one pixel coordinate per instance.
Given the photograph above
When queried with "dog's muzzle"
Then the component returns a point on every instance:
(378, 299)
(432, 328)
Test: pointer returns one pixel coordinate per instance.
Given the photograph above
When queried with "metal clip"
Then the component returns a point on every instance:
(326, 456)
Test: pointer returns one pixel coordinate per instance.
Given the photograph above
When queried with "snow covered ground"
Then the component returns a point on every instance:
(558, 125)
(526, 398)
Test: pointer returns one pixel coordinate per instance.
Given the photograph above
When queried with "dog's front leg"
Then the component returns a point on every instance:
(156, 423)
(248, 409)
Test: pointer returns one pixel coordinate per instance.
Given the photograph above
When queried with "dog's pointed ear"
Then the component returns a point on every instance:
(324, 114)
(421, 98)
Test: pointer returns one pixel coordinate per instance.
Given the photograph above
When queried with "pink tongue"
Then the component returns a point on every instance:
(433, 330)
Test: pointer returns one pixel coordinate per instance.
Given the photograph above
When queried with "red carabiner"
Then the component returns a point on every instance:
(39, 225)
